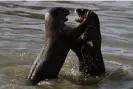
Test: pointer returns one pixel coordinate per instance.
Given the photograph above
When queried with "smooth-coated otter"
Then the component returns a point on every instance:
(59, 41)
(88, 48)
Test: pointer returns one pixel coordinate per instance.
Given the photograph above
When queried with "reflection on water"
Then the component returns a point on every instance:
(22, 36)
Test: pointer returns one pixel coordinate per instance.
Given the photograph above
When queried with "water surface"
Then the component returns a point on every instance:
(22, 37)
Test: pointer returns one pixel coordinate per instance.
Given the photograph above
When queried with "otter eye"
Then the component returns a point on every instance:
(85, 10)
(78, 10)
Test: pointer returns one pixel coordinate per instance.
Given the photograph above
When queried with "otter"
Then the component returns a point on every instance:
(88, 48)
(59, 40)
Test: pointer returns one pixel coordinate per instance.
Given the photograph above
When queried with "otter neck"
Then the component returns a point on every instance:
(54, 27)
(58, 25)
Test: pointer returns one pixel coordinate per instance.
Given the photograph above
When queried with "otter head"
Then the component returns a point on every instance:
(82, 14)
(55, 21)
(59, 13)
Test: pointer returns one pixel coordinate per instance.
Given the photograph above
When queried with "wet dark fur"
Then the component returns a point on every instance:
(90, 58)
(59, 41)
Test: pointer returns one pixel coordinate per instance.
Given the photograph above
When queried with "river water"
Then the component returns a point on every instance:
(22, 37)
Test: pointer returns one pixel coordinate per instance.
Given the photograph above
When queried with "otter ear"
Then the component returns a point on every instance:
(85, 10)
(52, 12)
(79, 12)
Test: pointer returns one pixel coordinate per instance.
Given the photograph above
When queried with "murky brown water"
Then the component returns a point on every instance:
(22, 37)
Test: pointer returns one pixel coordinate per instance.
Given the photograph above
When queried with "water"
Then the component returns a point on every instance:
(22, 37)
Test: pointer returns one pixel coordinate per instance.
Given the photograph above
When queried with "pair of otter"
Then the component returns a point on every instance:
(61, 38)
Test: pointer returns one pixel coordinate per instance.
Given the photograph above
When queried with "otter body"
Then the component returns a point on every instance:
(50, 61)
(59, 41)
(88, 48)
